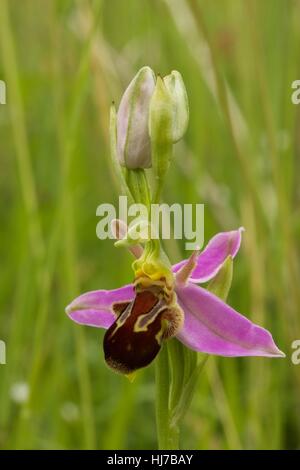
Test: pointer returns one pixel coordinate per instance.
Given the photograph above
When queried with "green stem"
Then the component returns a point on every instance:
(167, 435)
(188, 391)
(176, 366)
(139, 188)
(161, 172)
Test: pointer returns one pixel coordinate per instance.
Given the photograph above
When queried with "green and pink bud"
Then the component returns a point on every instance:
(133, 140)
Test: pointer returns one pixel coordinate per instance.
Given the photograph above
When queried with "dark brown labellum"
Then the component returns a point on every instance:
(134, 339)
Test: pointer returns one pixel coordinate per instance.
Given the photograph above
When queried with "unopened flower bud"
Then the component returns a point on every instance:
(177, 90)
(161, 133)
(161, 114)
(133, 141)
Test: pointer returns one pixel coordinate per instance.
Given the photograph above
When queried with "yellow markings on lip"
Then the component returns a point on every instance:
(159, 336)
(130, 343)
(120, 307)
(143, 321)
(167, 290)
(121, 320)
(136, 336)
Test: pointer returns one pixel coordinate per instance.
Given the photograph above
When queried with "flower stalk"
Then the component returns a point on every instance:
(167, 435)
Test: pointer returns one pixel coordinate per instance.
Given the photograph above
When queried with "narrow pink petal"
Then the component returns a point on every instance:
(213, 327)
(90, 317)
(213, 256)
(95, 308)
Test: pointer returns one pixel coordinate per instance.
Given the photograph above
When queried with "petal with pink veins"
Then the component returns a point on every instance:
(211, 259)
(95, 308)
(213, 327)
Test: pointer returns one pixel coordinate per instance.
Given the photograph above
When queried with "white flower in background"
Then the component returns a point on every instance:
(19, 392)
(69, 412)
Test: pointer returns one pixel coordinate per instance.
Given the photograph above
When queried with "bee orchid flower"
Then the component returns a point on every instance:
(138, 319)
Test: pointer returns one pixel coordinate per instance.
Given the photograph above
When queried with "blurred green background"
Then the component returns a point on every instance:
(63, 62)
